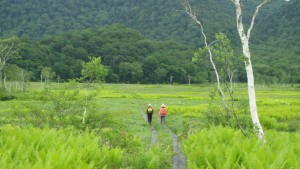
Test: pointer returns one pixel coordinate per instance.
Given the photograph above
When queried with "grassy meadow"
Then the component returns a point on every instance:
(102, 126)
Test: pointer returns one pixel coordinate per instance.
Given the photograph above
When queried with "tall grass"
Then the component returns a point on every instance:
(220, 147)
(50, 148)
(119, 137)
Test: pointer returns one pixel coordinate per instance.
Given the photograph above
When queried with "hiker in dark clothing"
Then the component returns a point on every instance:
(149, 112)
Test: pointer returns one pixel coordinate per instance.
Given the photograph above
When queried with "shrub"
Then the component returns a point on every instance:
(293, 126)
(5, 95)
(98, 120)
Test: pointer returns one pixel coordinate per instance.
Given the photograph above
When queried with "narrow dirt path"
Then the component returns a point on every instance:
(153, 131)
(179, 160)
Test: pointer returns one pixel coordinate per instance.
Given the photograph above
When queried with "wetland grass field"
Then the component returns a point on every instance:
(102, 126)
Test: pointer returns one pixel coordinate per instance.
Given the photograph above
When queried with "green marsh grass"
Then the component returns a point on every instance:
(115, 116)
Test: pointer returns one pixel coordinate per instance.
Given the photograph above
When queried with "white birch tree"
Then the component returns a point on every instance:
(47, 74)
(244, 36)
(7, 53)
(93, 71)
(208, 49)
(248, 65)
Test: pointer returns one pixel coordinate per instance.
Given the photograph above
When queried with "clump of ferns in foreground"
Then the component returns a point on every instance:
(222, 147)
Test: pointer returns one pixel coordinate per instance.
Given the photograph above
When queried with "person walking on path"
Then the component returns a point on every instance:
(149, 112)
(162, 114)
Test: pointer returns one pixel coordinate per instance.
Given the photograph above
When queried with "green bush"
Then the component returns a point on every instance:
(5, 95)
(293, 126)
(98, 120)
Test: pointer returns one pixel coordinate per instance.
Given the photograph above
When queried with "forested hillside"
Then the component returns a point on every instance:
(157, 19)
(276, 42)
(75, 32)
(129, 56)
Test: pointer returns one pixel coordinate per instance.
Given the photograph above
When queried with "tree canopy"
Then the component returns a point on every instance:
(61, 34)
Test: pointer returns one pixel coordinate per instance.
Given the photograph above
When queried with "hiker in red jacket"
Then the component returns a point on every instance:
(162, 114)
(149, 112)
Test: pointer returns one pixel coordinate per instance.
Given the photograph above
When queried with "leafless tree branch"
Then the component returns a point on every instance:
(190, 12)
(254, 16)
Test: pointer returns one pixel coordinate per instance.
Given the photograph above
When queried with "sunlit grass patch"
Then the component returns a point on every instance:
(116, 118)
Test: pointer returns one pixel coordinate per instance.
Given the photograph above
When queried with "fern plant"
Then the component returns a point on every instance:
(222, 147)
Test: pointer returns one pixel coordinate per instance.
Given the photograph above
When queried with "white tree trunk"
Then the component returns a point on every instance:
(85, 108)
(230, 77)
(7, 53)
(17, 86)
(4, 82)
(22, 81)
(252, 101)
(190, 79)
(250, 78)
(41, 81)
(0, 78)
(194, 17)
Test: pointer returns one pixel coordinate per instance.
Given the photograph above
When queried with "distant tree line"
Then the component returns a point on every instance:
(129, 58)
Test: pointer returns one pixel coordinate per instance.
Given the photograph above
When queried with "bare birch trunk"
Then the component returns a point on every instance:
(5, 54)
(17, 86)
(85, 108)
(0, 79)
(230, 77)
(10, 87)
(171, 79)
(4, 81)
(190, 79)
(41, 81)
(250, 78)
(194, 17)
(22, 80)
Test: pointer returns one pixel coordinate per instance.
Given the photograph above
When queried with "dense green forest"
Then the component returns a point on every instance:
(146, 42)
(129, 56)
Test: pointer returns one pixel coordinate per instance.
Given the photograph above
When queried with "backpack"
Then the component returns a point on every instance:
(163, 111)
(150, 110)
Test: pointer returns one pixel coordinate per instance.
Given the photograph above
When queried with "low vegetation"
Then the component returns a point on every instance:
(51, 130)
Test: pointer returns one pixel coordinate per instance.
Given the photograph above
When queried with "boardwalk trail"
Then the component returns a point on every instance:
(179, 160)
(153, 131)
